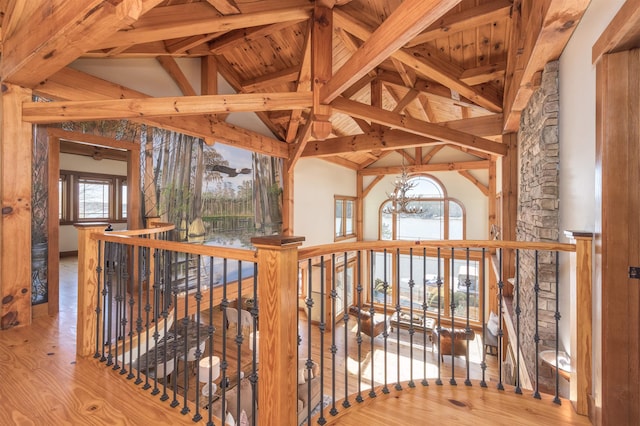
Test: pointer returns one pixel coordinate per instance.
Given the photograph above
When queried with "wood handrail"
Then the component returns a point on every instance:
(157, 229)
(309, 252)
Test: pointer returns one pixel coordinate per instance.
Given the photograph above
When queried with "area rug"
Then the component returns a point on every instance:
(326, 400)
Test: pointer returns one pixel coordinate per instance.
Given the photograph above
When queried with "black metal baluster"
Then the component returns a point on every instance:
(556, 399)
(452, 308)
(345, 318)
(359, 397)
(185, 331)
(98, 310)
(425, 306)
(138, 329)
(385, 333)
(372, 311)
(210, 332)
(518, 389)
(106, 295)
(225, 325)
(174, 293)
(396, 296)
(253, 377)
(483, 364)
(334, 348)
(309, 363)
(125, 288)
(118, 302)
(322, 327)
(536, 336)
(438, 325)
(411, 329)
(198, 296)
(500, 288)
(467, 330)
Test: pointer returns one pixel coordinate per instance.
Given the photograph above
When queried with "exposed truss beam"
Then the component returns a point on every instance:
(389, 140)
(69, 84)
(287, 75)
(171, 67)
(170, 22)
(470, 18)
(432, 167)
(426, 62)
(244, 35)
(60, 33)
(418, 127)
(406, 21)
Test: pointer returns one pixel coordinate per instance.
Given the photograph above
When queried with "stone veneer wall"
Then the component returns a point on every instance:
(538, 217)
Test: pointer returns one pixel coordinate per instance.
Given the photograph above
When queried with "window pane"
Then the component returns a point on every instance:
(459, 280)
(349, 217)
(339, 216)
(379, 277)
(93, 199)
(425, 188)
(425, 282)
(60, 198)
(386, 223)
(428, 225)
(124, 200)
(455, 221)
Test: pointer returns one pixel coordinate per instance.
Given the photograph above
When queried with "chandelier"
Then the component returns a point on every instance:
(399, 200)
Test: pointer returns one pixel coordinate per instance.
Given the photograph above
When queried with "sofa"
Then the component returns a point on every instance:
(246, 396)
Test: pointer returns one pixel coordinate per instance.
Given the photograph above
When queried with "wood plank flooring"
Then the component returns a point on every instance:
(42, 382)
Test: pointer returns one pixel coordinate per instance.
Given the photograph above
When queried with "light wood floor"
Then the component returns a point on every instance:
(42, 382)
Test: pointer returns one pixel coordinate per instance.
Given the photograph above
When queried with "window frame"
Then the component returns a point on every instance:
(342, 234)
(69, 192)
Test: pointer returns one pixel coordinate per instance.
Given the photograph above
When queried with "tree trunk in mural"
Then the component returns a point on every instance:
(149, 189)
(267, 193)
(196, 227)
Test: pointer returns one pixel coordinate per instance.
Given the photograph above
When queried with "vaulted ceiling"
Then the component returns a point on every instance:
(346, 80)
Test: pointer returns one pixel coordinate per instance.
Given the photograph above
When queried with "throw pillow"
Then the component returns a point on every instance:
(230, 420)
(492, 324)
(301, 376)
(244, 421)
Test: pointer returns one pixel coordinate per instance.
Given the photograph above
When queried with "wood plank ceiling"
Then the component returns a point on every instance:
(371, 76)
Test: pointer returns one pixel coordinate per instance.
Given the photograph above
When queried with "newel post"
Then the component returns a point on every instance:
(278, 345)
(87, 287)
(581, 325)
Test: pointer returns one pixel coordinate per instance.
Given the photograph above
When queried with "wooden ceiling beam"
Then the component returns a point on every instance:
(483, 74)
(185, 20)
(486, 125)
(427, 62)
(57, 112)
(303, 84)
(176, 47)
(242, 36)
(389, 140)
(471, 178)
(621, 34)
(418, 127)
(426, 168)
(287, 75)
(541, 31)
(404, 23)
(467, 19)
(173, 69)
(70, 84)
(225, 7)
(60, 33)
(321, 68)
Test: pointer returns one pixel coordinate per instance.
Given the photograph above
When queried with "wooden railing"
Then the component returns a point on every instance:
(284, 337)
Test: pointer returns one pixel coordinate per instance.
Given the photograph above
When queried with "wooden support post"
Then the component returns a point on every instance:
(581, 325)
(278, 296)
(87, 287)
(321, 68)
(509, 207)
(15, 225)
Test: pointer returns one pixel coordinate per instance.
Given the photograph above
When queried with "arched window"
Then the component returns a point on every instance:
(438, 217)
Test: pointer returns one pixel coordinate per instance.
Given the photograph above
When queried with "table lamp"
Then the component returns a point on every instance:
(208, 371)
(257, 349)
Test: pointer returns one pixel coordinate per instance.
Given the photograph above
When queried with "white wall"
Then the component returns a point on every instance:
(578, 140)
(316, 183)
(68, 234)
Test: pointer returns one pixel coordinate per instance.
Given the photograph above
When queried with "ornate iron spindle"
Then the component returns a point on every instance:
(452, 309)
(99, 352)
(185, 325)
(106, 292)
(518, 389)
(125, 289)
(396, 296)
(323, 328)
(438, 325)
(198, 296)
(425, 306)
(224, 304)
(345, 318)
(210, 332)
(174, 292)
(467, 330)
(556, 399)
(536, 336)
(359, 397)
(500, 288)
(334, 348)
(111, 271)
(308, 363)
(239, 338)
(139, 312)
(483, 286)
(118, 302)
(385, 333)
(253, 377)
(372, 311)
(411, 329)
